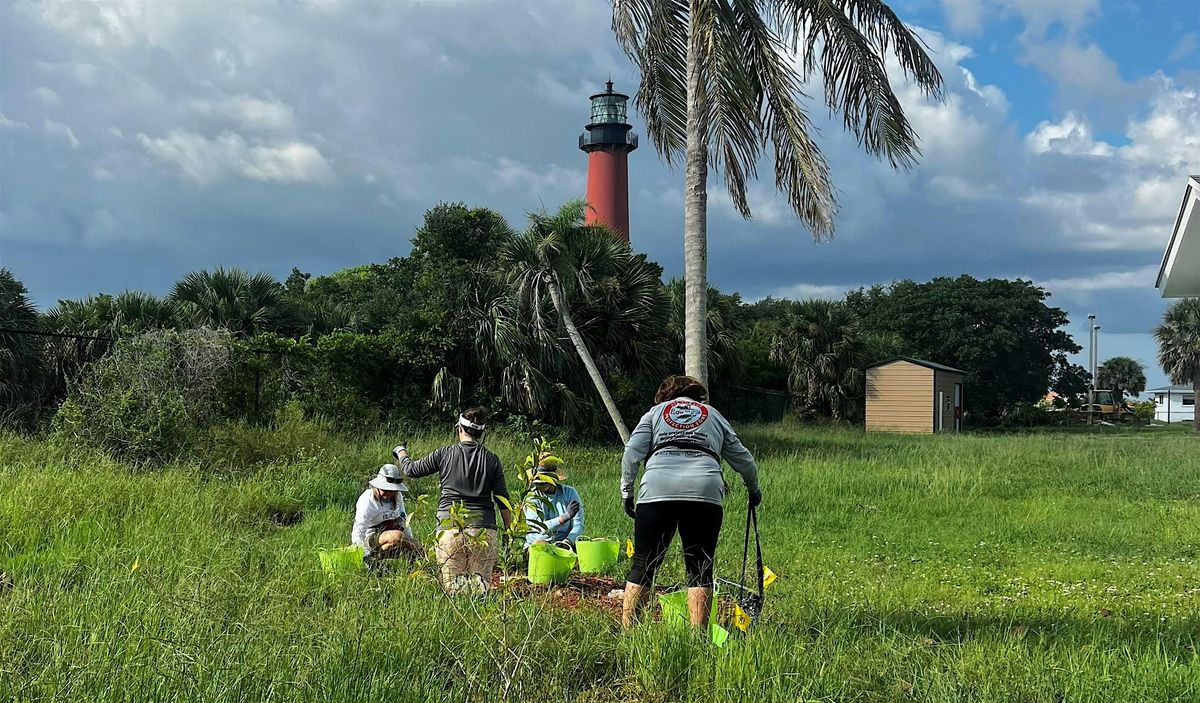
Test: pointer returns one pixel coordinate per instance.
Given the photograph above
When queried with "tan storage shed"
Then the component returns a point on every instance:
(911, 395)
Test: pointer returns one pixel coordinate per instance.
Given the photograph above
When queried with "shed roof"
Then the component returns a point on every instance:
(918, 362)
(1170, 388)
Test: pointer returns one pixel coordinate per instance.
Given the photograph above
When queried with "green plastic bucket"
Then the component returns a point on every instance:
(596, 555)
(341, 560)
(674, 607)
(550, 564)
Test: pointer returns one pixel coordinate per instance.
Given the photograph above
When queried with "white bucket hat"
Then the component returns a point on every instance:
(389, 478)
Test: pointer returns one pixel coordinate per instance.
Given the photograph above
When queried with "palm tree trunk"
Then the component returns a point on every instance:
(560, 305)
(695, 206)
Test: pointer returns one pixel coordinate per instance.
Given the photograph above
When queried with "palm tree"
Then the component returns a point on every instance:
(823, 346)
(239, 301)
(1123, 375)
(20, 354)
(562, 269)
(722, 79)
(1179, 345)
(104, 315)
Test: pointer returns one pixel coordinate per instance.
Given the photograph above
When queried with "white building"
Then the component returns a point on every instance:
(1179, 275)
(1174, 404)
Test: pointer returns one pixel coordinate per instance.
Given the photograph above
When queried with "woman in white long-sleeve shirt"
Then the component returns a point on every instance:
(380, 521)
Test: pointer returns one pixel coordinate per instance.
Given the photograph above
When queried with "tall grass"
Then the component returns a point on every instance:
(971, 568)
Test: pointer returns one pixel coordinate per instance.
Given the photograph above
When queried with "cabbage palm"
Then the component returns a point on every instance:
(104, 315)
(241, 302)
(584, 280)
(20, 354)
(1123, 375)
(825, 349)
(721, 83)
(1179, 345)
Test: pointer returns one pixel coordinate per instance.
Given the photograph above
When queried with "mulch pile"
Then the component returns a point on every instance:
(582, 590)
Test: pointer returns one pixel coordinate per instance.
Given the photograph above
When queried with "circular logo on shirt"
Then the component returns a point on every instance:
(685, 414)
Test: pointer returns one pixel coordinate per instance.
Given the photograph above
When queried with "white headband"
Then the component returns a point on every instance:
(467, 423)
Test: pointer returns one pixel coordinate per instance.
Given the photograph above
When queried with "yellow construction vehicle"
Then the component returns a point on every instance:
(1105, 406)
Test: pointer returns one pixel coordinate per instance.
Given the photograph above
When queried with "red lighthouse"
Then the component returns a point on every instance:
(608, 142)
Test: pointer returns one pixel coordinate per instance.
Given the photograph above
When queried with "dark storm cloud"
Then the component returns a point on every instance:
(140, 141)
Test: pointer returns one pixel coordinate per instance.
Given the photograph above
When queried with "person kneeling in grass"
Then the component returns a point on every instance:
(561, 511)
(380, 520)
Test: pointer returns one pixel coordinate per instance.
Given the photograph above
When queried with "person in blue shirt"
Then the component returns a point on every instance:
(562, 512)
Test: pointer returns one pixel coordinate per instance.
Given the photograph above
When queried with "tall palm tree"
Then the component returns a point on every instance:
(722, 79)
(241, 302)
(561, 267)
(1179, 345)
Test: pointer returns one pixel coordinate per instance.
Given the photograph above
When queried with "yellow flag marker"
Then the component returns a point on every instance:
(137, 564)
(741, 620)
(629, 548)
(769, 577)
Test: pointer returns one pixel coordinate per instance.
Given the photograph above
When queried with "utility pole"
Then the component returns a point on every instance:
(1092, 327)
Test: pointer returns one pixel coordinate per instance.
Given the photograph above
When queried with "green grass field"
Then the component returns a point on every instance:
(1043, 567)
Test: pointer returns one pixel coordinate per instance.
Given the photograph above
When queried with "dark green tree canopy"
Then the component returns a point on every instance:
(1000, 332)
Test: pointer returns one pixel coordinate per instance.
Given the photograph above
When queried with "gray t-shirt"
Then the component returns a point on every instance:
(468, 473)
(679, 473)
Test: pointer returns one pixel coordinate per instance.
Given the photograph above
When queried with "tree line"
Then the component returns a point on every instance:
(560, 324)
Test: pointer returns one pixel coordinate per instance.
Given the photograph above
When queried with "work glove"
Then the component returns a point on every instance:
(572, 510)
(755, 498)
(402, 447)
(630, 510)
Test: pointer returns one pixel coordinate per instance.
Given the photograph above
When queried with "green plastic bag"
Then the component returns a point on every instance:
(550, 564)
(674, 607)
(341, 559)
(596, 555)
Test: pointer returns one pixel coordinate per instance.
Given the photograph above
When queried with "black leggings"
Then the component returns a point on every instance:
(699, 525)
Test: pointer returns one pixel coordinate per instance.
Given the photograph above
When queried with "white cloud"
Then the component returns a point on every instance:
(114, 24)
(803, 291)
(1185, 48)
(9, 123)
(248, 112)
(964, 16)
(1170, 133)
(1070, 135)
(539, 180)
(1139, 278)
(83, 72)
(203, 161)
(102, 174)
(1040, 15)
(46, 96)
(61, 130)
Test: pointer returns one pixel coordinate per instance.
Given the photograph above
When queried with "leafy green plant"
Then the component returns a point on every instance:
(528, 495)
(1143, 410)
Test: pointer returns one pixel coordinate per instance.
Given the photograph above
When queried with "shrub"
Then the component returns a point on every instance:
(1143, 410)
(236, 444)
(143, 402)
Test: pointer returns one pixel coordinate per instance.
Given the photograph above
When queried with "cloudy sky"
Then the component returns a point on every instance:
(139, 141)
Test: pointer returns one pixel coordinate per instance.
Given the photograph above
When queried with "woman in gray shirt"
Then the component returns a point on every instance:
(682, 441)
(472, 476)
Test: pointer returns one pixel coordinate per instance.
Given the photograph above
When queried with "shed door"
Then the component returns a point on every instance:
(957, 407)
(941, 416)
